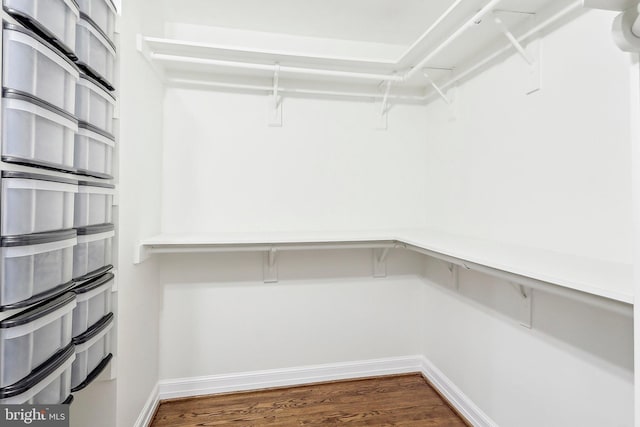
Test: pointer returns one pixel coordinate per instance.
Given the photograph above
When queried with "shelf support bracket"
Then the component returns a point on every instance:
(384, 108)
(436, 88)
(141, 253)
(275, 101)
(526, 304)
(512, 39)
(455, 278)
(380, 262)
(531, 54)
(270, 266)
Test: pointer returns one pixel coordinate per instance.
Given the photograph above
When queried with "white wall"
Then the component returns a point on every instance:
(548, 170)
(140, 175)
(573, 368)
(218, 315)
(327, 168)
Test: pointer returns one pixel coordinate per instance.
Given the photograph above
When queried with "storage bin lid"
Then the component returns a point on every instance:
(93, 374)
(93, 284)
(38, 374)
(37, 238)
(95, 26)
(23, 96)
(38, 298)
(90, 26)
(96, 184)
(32, 23)
(38, 311)
(35, 36)
(94, 330)
(99, 84)
(92, 128)
(41, 177)
(95, 229)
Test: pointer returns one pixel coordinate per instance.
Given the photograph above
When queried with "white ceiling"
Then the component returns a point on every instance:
(383, 21)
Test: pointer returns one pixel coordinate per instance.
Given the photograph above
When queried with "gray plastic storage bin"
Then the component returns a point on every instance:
(93, 251)
(93, 302)
(93, 204)
(93, 151)
(49, 384)
(96, 53)
(30, 338)
(92, 348)
(94, 104)
(35, 67)
(102, 13)
(35, 133)
(54, 19)
(34, 203)
(35, 267)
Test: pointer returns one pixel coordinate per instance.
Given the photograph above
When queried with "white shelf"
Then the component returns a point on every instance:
(455, 46)
(555, 272)
(597, 277)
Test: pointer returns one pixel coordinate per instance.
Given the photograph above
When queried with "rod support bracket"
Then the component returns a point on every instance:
(455, 276)
(274, 105)
(530, 54)
(380, 262)
(270, 265)
(526, 304)
(384, 107)
(435, 87)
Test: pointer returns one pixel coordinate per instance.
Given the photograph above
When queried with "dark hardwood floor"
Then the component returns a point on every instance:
(402, 400)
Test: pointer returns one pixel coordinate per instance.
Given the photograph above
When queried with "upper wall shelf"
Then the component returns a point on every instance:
(461, 41)
(595, 282)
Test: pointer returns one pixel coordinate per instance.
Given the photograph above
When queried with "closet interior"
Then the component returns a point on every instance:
(247, 194)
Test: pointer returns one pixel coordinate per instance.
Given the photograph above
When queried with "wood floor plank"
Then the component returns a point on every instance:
(401, 400)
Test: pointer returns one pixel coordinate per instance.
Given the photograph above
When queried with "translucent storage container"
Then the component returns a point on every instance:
(30, 338)
(96, 53)
(93, 300)
(54, 19)
(36, 133)
(93, 204)
(92, 254)
(34, 203)
(49, 384)
(94, 104)
(93, 351)
(33, 66)
(93, 151)
(35, 267)
(102, 13)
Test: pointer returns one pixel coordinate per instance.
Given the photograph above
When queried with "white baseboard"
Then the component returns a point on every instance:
(149, 409)
(256, 380)
(463, 404)
(198, 386)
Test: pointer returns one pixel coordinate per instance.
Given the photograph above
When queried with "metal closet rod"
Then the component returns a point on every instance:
(299, 91)
(395, 78)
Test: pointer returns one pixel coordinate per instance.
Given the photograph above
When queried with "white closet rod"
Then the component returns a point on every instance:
(471, 22)
(272, 68)
(424, 35)
(269, 89)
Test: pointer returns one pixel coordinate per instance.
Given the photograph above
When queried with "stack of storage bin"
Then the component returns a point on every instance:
(56, 228)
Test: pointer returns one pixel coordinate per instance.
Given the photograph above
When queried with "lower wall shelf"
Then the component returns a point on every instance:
(595, 282)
